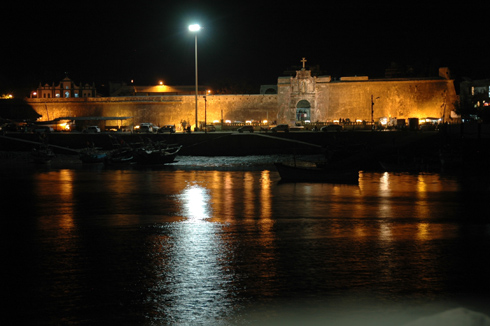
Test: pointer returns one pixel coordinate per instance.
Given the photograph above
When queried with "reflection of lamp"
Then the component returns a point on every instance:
(195, 28)
(196, 203)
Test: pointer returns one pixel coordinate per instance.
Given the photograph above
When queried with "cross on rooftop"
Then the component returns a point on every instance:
(303, 61)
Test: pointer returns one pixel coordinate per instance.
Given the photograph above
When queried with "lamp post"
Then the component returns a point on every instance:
(205, 115)
(195, 28)
(372, 111)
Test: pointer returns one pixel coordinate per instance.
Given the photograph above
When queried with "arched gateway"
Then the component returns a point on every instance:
(303, 110)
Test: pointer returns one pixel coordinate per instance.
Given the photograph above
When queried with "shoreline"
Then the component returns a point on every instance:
(368, 148)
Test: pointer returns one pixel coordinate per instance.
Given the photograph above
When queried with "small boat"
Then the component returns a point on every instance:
(42, 155)
(155, 155)
(120, 156)
(93, 155)
(314, 174)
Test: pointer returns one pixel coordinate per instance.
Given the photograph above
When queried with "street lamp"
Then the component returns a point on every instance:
(372, 111)
(205, 115)
(195, 28)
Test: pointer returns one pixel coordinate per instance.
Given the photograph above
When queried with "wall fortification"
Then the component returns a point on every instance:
(300, 98)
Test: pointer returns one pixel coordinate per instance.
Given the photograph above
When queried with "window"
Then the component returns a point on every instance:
(480, 90)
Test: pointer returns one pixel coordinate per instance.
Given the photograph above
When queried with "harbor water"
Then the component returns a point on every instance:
(221, 240)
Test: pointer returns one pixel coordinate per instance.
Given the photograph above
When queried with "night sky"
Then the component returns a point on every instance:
(250, 42)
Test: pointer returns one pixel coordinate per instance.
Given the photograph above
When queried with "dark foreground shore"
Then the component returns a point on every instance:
(367, 147)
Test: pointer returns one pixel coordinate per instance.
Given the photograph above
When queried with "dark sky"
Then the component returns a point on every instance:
(249, 41)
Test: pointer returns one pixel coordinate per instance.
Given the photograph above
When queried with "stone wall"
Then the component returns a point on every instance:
(160, 110)
(402, 99)
(325, 100)
(351, 98)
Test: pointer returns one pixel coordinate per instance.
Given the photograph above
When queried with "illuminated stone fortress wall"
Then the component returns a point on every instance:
(302, 97)
(161, 110)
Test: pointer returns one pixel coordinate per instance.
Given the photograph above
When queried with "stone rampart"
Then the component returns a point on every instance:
(402, 99)
(322, 99)
(351, 99)
(160, 110)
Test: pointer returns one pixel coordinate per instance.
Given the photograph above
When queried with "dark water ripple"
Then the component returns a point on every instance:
(230, 245)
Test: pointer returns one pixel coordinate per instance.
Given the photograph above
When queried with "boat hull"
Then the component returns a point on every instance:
(42, 154)
(156, 156)
(92, 157)
(42, 157)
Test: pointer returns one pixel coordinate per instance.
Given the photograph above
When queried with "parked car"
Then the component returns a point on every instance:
(92, 129)
(43, 129)
(280, 128)
(248, 128)
(167, 128)
(146, 127)
(209, 128)
(297, 128)
(331, 128)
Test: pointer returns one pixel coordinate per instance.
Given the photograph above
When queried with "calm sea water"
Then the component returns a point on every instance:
(223, 241)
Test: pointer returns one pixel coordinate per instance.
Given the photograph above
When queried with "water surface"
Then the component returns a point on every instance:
(222, 240)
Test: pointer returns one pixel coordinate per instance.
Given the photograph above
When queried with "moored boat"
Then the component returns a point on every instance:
(120, 156)
(43, 154)
(156, 155)
(314, 174)
(92, 155)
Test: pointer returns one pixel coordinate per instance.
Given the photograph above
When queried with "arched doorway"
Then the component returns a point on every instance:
(303, 110)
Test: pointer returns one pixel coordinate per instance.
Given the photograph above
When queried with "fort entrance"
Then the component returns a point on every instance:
(303, 110)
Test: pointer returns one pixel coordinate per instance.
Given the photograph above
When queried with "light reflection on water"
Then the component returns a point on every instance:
(196, 246)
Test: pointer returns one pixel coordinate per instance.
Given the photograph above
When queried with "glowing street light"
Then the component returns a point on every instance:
(195, 28)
